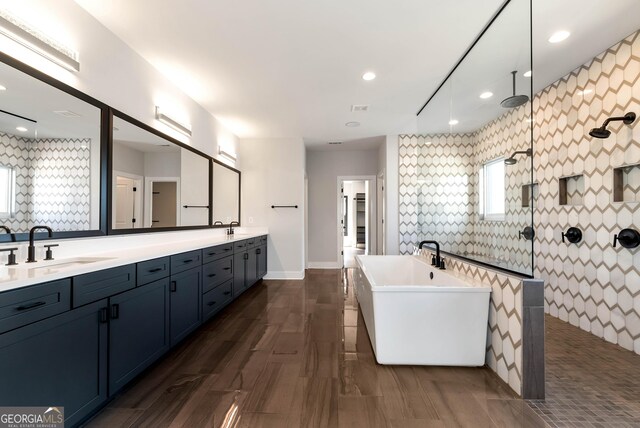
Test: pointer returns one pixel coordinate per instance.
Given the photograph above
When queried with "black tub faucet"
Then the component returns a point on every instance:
(6, 229)
(31, 253)
(438, 261)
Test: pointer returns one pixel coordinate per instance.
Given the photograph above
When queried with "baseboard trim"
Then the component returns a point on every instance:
(323, 265)
(285, 275)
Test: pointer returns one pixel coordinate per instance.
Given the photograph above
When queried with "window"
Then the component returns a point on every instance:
(7, 191)
(491, 190)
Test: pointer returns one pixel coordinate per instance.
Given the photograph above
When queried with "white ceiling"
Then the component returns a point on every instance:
(293, 68)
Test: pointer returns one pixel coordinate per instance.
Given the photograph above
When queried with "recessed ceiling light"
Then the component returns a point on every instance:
(559, 36)
(527, 74)
(352, 124)
(369, 75)
(21, 129)
(486, 95)
(2, 88)
(453, 122)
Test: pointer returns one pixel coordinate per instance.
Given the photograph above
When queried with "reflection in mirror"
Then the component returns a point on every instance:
(466, 179)
(226, 194)
(156, 183)
(49, 156)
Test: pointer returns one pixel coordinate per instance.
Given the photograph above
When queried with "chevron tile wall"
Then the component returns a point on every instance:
(591, 285)
(53, 182)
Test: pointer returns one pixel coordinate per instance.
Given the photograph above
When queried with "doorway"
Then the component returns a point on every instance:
(356, 218)
(127, 209)
(163, 204)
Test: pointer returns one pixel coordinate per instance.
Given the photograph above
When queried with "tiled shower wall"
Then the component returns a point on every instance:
(591, 285)
(438, 192)
(53, 182)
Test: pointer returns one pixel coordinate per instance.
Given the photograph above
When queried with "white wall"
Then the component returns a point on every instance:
(112, 72)
(126, 159)
(323, 169)
(273, 174)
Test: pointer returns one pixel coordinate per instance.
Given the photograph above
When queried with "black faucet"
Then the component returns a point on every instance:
(215, 223)
(230, 230)
(6, 229)
(31, 253)
(438, 261)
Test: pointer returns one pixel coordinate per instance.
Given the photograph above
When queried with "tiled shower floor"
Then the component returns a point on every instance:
(590, 383)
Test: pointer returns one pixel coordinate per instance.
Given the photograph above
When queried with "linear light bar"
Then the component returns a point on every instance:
(184, 129)
(227, 155)
(38, 43)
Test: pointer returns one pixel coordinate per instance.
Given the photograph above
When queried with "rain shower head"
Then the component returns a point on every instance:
(514, 100)
(603, 132)
(512, 160)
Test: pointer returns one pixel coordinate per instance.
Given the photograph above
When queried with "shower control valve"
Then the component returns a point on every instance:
(573, 235)
(628, 238)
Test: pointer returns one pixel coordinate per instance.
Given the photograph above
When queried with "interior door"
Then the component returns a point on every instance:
(125, 203)
(163, 204)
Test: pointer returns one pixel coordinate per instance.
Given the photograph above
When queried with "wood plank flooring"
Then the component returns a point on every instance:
(297, 354)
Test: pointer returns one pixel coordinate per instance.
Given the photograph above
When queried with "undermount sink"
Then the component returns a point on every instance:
(51, 266)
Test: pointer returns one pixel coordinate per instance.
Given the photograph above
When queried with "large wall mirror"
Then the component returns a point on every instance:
(50, 157)
(466, 179)
(156, 183)
(226, 194)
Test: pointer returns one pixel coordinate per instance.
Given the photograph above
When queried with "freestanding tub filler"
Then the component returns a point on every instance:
(417, 314)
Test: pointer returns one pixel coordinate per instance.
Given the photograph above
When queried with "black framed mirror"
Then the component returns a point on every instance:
(156, 182)
(225, 184)
(53, 146)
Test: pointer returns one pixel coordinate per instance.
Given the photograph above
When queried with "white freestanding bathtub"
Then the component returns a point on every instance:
(417, 314)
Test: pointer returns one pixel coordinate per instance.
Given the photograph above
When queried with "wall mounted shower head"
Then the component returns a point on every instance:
(514, 100)
(603, 132)
(512, 160)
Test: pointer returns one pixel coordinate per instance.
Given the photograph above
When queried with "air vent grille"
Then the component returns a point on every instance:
(335, 142)
(67, 113)
(359, 107)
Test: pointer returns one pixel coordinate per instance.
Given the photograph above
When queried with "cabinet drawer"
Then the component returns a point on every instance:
(31, 304)
(152, 270)
(262, 240)
(216, 299)
(216, 273)
(240, 246)
(251, 242)
(104, 283)
(214, 253)
(185, 261)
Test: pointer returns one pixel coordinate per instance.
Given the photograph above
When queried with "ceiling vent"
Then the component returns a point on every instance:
(67, 113)
(359, 107)
(335, 142)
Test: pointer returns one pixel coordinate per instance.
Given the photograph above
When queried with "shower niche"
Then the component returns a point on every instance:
(571, 190)
(626, 183)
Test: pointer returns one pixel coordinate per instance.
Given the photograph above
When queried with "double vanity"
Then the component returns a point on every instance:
(75, 331)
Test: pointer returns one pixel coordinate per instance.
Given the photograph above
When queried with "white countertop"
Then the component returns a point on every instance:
(22, 275)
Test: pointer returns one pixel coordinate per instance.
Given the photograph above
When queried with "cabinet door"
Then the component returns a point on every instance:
(252, 267)
(262, 261)
(138, 331)
(185, 295)
(239, 273)
(60, 361)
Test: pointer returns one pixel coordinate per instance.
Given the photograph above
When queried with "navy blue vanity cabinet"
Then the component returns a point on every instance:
(217, 272)
(138, 331)
(252, 268)
(216, 299)
(261, 254)
(185, 295)
(214, 253)
(59, 361)
(98, 285)
(239, 272)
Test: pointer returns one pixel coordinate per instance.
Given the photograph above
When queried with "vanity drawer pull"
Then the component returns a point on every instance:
(187, 261)
(213, 253)
(173, 287)
(227, 249)
(227, 268)
(246, 256)
(104, 315)
(226, 293)
(154, 270)
(115, 311)
(211, 275)
(30, 306)
(211, 303)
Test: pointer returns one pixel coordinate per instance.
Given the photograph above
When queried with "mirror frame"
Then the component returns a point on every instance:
(216, 161)
(442, 84)
(104, 138)
(110, 230)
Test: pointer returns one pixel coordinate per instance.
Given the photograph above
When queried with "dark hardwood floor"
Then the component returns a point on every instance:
(297, 354)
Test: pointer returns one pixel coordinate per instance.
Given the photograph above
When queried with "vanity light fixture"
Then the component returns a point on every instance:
(453, 122)
(486, 95)
(559, 36)
(369, 75)
(183, 129)
(21, 129)
(230, 156)
(37, 42)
